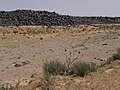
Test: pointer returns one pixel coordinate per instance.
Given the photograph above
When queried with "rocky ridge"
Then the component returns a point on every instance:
(45, 18)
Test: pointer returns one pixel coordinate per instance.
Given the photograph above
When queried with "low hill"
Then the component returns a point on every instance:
(31, 17)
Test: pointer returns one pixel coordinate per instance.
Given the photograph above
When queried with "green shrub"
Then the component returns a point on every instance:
(93, 67)
(116, 56)
(82, 68)
(52, 68)
(118, 51)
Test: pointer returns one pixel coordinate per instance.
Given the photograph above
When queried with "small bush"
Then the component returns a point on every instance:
(117, 55)
(82, 68)
(93, 67)
(118, 50)
(52, 68)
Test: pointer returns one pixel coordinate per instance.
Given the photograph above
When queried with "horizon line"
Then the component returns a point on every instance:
(61, 13)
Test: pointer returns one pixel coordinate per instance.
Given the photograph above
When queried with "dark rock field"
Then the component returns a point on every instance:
(31, 17)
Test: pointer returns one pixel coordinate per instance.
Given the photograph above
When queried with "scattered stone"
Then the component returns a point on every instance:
(25, 63)
(2, 70)
(95, 58)
(109, 70)
(33, 85)
(35, 75)
(24, 82)
(45, 18)
(19, 64)
(101, 59)
(104, 44)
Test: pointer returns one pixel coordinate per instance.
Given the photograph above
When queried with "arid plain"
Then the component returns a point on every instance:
(24, 49)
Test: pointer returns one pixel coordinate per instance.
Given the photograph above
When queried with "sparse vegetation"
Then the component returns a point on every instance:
(72, 55)
(78, 68)
(6, 87)
(71, 52)
(9, 87)
(116, 56)
(82, 68)
(70, 59)
(93, 67)
(52, 68)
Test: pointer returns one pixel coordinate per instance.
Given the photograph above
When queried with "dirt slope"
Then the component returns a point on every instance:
(105, 78)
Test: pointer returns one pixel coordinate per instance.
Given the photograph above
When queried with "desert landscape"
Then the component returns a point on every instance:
(25, 48)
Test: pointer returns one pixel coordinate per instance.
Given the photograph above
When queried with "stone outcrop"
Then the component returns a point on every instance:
(31, 17)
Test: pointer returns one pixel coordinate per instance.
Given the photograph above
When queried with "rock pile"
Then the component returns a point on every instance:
(30, 17)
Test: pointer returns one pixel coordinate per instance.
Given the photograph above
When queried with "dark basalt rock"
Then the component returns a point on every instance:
(31, 17)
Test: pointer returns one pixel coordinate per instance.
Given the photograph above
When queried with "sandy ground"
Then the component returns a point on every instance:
(22, 58)
(105, 78)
